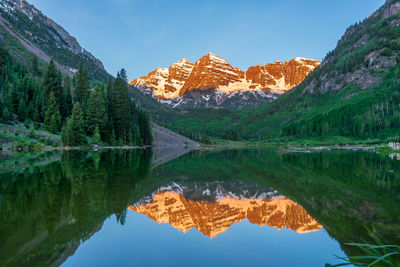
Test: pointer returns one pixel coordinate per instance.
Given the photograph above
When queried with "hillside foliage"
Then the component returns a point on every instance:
(355, 93)
(71, 106)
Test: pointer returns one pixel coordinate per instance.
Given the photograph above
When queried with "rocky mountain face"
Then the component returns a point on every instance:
(213, 83)
(33, 26)
(370, 50)
(213, 210)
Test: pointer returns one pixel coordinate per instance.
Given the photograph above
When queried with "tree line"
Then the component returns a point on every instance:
(81, 110)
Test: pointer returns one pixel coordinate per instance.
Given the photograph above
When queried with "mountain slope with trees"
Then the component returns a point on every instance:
(71, 106)
(48, 81)
(353, 94)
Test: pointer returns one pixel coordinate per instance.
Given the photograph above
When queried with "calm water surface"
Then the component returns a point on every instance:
(215, 208)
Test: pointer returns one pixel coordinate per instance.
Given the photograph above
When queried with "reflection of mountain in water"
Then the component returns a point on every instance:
(170, 205)
(49, 207)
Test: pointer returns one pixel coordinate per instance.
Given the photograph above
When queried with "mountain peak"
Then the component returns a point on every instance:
(213, 58)
(184, 61)
(213, 72)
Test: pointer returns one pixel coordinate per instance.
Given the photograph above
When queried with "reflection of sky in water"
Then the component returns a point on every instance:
(143, 242)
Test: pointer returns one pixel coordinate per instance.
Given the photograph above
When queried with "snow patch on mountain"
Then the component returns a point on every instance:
(211, 81)
(212, 192)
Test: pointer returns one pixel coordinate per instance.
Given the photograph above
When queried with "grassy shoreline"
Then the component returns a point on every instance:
(20, 138)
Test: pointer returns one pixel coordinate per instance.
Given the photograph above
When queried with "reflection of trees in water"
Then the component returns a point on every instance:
(349, 193)
(342, 190)
(45, 212)
(373, 168)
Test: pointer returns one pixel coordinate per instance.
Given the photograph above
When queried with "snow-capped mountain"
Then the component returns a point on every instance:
(212, 82)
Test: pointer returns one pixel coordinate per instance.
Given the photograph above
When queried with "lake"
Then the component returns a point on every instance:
(248, 207)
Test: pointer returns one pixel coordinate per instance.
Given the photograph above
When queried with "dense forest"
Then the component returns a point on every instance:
(81, 110)
(88, 187)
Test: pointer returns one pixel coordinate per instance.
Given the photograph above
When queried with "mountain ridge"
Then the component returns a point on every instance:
(29, 23)
(212, 82)
(351, 97)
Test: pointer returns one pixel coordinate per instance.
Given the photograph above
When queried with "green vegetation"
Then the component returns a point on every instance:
(376, 255)
(65, 198)
(48, 101)
(49, 41)
(343, 191)
(316, 110)
(19, 136)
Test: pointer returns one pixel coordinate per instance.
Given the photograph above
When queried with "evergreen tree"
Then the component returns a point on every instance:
(22, 112)
(67, 107)
(82, 86)
(4, 59)
(121, 109)
(12, 99)
(96, 135)
(137, 140)
(145, 127)
(113, 138)
(110, 124)
(123, 75)
(37, 101)
(35, 65)
(109, 96)
(52, 119)
(6, 114)
(52, 84)
(78, 125)
(67, 135)
(96, 113)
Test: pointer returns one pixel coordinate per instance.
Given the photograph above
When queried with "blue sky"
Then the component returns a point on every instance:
(143, 35)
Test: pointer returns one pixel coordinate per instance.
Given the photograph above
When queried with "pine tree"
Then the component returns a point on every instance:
(52, 119)
(6, 114)
(121, 109)
(4, 59)
(68, 136)
(136, 136)
(37, 101)
(145, 127)
(96, 135)
(110, 123)
(12, 99)
(109, 96)
(67, 107)
(35, 65)
(52, 84)
(78, 125)
(123, 75)
(82, 86)
(96, 113)
(30, 111)
(22, 112)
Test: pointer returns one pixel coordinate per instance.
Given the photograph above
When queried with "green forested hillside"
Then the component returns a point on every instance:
(72, 107)
(355, 93)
